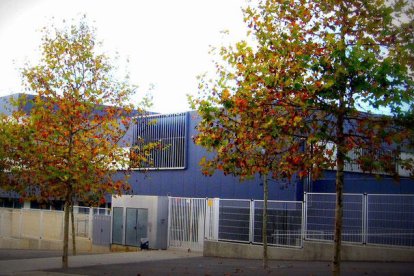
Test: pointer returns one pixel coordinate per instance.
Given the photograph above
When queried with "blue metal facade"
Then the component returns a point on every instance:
(364, 183)
(7, 108)
(190, 182)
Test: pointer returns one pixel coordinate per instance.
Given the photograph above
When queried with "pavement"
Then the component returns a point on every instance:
(175, 262)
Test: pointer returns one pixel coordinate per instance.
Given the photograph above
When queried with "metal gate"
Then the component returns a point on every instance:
(186, 222)
(101, 230)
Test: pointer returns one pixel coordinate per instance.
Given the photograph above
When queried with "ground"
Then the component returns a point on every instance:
(171, 262)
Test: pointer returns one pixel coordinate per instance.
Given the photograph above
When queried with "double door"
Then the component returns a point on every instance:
(136, 226)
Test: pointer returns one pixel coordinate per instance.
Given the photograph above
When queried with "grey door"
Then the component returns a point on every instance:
(136, 226)
(117, 225)
(101, 229)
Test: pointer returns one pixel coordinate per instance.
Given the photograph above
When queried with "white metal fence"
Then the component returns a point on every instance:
(239, 220)
(45, 224)
(186, 222)
(367, 219)
(234, 220)
(390, 220)
(320, 217)
(284, 223)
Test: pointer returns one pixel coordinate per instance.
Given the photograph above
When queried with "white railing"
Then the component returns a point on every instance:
(238, 220)
(367, 219)
(320, 217)
(186, 222)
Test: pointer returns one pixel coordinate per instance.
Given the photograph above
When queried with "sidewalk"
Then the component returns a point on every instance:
(14, 267)
(175, 262)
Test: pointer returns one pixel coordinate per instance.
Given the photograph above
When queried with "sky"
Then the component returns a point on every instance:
(166, 42)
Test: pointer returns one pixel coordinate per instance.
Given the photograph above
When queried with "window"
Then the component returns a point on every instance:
(170, 132)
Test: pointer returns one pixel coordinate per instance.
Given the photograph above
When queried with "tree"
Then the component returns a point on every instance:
(12, 136)
(78, 116)
(4, 140)
(306, 92)
(6, 127)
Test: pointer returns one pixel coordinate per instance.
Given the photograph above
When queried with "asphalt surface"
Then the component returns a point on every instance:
(171, 262)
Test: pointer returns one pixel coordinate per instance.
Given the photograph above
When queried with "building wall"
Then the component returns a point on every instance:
(7, 108)
(190, 182)
(364, 183)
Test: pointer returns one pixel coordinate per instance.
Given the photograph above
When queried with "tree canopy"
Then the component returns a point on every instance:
(317, 80)
(71, 143)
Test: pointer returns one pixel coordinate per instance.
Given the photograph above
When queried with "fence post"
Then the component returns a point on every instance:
(251, 222)
(216, 214)
(364, 218)
(169, 222)
(41, 227)
(304, 216)
(207, 219)
(210, 222)
(20, 223)
(1, 221)
(90, 222)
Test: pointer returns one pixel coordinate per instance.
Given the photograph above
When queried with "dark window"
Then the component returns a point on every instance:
(51, 205)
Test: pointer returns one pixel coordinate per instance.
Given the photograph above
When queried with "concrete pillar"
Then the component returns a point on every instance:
(26, 205)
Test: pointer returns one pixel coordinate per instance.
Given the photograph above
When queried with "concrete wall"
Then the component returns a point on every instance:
(31, 224)
(311, 251)
(41, 229)
(82, 244)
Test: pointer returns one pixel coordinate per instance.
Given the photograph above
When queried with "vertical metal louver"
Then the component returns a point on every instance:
(170, 132)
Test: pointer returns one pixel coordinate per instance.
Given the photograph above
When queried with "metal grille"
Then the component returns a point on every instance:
(320, 217)
(186, 222)
(234, 220)
(390, 219)
(242, 221)
(170, 132)
(372, 219)
(284, 223)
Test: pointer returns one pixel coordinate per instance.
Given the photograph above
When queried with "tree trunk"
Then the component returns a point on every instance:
(264, 228)
(68, 199)
(72, 218)
(66, 232)
(340, 159)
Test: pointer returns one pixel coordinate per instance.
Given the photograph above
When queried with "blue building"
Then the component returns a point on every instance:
(175, 170)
